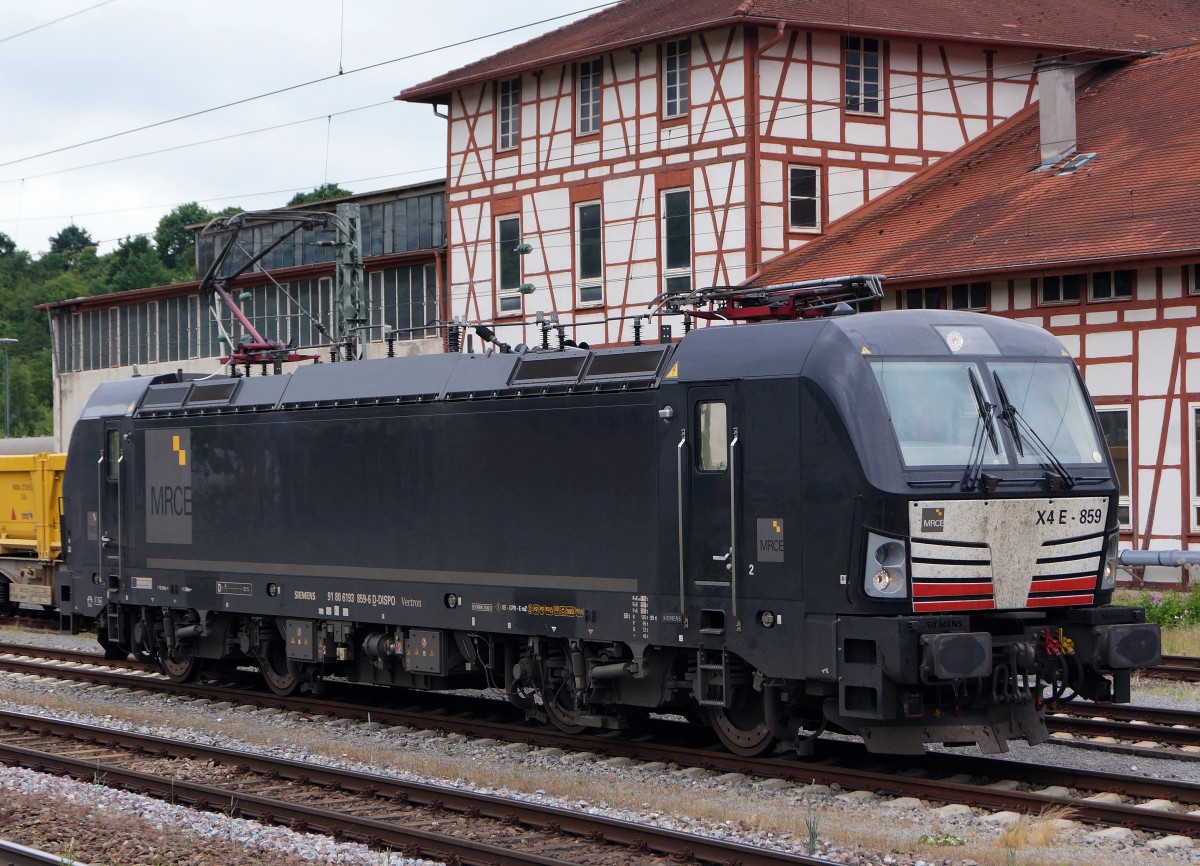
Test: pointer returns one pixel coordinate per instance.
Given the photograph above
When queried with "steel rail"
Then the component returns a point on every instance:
(638, 838)
(801, 772)
(1182, 668)
(12, 854)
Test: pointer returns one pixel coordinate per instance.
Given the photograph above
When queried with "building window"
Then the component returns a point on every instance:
(508, 98)
(1114, 421)
(804, 203)
(589, 255)
(508, 266)
(923, 299)
(675, 78)
(1195, 467)
(1193, 272)
(587, 97)
(677, 239)
(1060, 290)
(862, 76)
(969, 296)
(1112, 285)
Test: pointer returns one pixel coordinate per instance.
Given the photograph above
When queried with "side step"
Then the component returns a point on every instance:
(712, 678)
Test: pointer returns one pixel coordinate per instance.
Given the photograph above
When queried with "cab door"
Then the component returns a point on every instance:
(711, 546)
(109, 471)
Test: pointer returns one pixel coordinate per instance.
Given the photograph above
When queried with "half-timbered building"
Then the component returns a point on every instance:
(660, 144)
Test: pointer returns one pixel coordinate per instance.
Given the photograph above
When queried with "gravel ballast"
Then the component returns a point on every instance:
(851, 827)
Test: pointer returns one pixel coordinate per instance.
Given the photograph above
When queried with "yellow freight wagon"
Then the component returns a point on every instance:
(30, 538)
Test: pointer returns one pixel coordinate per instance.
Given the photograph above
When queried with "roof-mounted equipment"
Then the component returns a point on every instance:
(803, 300)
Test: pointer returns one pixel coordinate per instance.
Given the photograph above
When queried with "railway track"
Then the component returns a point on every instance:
(955, 778)
(422, 820)
(1181, 668)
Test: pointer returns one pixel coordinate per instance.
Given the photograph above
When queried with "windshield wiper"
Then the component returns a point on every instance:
(985, 432)
(1017, 423)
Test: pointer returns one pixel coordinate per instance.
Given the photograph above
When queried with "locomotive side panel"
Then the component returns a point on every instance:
(401, 508)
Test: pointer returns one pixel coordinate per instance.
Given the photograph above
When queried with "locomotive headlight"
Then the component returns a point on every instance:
(1108, 579)
(886, 581)
(885, 573)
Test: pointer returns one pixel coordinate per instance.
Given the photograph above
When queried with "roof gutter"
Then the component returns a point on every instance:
(1145, 258)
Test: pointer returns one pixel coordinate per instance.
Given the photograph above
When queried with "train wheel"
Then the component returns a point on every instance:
(182, 670)
(281, 677)
(743, 730)
(559, 703)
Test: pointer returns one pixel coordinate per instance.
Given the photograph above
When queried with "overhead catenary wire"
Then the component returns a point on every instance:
(830, 171)
(46, 24)
(288, 88)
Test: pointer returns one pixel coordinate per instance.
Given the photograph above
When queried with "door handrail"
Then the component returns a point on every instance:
(679, 461)
(733, 515)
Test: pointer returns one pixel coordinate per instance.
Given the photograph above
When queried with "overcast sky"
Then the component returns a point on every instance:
(123, 64)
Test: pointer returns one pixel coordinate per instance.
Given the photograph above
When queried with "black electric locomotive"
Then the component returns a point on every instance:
(897, 524)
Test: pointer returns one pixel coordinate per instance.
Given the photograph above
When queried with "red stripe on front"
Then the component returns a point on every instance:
(1059, 600)
(1064, 584)
(970, 604)
(939, 590)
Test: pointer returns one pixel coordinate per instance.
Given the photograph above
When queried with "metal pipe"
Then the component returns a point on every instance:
(611, 671)
(1170, 558)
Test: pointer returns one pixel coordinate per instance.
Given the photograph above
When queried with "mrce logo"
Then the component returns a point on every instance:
(933, 520)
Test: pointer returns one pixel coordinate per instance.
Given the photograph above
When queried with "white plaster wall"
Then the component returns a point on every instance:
(882, 181)
(1110, 380)
(942, 133)
(1150, 418)
(1156, 350)
(1109, 344)
(845, 190)
(1172, 282)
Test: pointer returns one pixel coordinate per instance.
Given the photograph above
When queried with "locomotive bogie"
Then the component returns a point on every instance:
(751, 527)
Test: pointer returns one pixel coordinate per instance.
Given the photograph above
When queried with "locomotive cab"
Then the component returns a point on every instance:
(983, 534)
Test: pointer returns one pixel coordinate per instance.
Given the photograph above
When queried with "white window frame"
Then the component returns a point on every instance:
(1194, 520)
(815, 198)
(675, 274)
(592, 284)
(589, 88)
(676, 75)
(1058, 302)
(987, 289)
(857, 74)
(1112, 286)
(1194, 278)
(508, 114)
(1125, 501)
(508, 298)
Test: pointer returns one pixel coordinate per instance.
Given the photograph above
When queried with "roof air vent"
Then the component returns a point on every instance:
(1075, 163)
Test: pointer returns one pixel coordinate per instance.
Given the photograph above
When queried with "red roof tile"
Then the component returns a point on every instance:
(1100, 25)
(985, 211)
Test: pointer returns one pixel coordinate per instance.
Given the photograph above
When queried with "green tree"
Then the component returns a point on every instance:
(72, 238)
(134, 264)
(321, 193)
(175, 241)
(7, 246)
